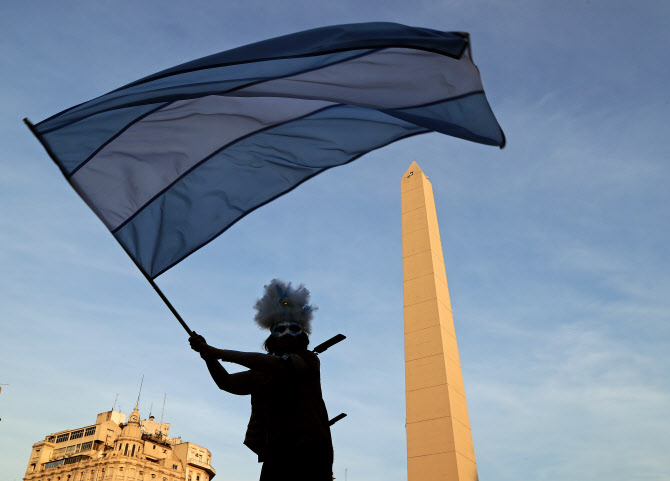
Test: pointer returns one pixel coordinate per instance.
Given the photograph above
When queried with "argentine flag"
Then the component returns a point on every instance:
(171, 161)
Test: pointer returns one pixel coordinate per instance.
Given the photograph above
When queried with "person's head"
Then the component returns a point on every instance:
(286, 312)
(286, 344)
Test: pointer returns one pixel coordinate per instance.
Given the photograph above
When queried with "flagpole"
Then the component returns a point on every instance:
(30, 125)
(168, 304)
(158, 290)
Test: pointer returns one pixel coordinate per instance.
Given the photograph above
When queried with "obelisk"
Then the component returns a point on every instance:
(439, 441)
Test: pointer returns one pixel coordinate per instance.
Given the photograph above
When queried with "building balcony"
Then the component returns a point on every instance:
(198, 463)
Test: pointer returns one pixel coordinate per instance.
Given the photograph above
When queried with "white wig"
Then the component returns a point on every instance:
(282, 303)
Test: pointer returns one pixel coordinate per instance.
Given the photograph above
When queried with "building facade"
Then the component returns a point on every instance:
(113, 450)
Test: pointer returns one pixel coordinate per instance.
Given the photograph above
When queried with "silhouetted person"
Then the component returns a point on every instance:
(288, 428)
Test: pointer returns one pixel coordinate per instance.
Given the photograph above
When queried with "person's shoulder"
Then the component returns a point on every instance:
(310, 358)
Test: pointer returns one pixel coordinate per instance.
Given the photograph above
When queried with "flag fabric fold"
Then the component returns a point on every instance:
(172, 160)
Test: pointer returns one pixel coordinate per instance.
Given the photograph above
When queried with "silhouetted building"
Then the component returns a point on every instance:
(113, 450)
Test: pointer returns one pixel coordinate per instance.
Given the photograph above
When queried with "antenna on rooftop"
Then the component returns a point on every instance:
(139, 393)
(115, 399)
(151, 408)
(163, 410)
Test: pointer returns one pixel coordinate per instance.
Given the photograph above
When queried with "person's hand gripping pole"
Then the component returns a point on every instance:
(199, 344)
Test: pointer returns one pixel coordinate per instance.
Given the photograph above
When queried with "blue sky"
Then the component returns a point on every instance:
(555, 247)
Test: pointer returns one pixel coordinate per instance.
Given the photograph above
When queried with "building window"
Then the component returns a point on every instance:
(79, 433)
(89, 431)
(51, 439)
(133, 453)
(53, 464)
(121, 468)
(125, 452)
(62, 437)
(72, 460)
(174, 466)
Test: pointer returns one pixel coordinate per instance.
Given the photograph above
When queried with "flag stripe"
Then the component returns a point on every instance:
(422, 79)
(116, 135)
(167, 230)
(373, 80)
(75, 143)
(129, 172)
(454, 117)
(100, 125)
(199, 83)
(325, 41)
(214, 81)
(453, 123)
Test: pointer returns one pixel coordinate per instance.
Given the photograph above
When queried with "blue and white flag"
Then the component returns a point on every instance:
(171, 161)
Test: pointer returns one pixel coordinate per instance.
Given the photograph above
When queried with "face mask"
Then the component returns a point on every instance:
(283, 328)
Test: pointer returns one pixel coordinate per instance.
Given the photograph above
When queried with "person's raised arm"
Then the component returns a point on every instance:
(238, 383)
(267, 363)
